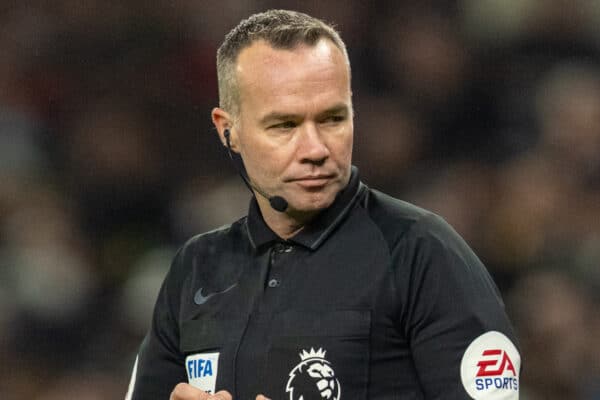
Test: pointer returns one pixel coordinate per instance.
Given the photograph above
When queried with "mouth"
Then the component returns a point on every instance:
(313, 181)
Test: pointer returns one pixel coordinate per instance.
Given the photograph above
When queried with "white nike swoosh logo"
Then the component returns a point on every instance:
(200, 299)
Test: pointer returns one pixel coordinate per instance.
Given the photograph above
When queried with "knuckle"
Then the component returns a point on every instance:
(178, 391)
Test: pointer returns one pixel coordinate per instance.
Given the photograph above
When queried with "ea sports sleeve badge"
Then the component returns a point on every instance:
(490, 368)
(202, 370)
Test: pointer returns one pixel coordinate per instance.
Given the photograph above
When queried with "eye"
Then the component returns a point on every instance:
(334, 119)
(284, 125)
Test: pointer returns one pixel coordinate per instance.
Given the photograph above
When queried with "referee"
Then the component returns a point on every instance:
(327, 289)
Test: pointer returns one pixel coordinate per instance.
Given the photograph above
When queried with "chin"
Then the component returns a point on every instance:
(314, 202)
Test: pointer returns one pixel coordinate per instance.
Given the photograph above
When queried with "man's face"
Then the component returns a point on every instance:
(295, 126)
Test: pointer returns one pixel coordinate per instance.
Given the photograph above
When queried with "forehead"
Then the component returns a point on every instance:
(262, 50)
(264, 72)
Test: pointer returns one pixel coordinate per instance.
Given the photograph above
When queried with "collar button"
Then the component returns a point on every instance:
(274, 283)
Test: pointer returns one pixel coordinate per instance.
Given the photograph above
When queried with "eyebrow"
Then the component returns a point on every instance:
(337, 109)
(279, 116)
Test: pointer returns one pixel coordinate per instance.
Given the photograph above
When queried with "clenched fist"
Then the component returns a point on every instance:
(185, 391)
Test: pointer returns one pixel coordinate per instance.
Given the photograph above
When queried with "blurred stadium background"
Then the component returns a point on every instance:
(485, 111)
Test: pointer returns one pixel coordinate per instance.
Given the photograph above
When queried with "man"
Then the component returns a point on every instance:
(327, 289)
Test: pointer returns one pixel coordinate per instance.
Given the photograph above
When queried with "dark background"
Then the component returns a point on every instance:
(485, 111)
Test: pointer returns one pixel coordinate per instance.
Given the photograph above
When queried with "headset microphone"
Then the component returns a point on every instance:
(277, 203)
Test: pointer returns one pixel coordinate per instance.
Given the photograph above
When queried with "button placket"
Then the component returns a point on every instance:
(278, 250)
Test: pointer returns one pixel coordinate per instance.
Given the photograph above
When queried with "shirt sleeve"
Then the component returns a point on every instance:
(461, 339)
(160, 365)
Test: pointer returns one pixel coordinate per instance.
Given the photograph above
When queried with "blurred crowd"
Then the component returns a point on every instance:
(484, 111)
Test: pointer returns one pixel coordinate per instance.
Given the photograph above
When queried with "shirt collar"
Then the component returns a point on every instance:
(318, 230)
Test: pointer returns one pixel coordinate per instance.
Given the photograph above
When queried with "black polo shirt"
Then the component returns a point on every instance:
(375, 299)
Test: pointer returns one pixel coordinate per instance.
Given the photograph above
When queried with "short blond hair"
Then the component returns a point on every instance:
(281, 29)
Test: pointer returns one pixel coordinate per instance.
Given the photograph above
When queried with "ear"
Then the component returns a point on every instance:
(223, 121)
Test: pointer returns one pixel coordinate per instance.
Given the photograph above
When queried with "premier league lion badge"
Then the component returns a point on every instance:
(313, 378)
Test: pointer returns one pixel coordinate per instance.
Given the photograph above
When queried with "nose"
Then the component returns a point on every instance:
(311, 146)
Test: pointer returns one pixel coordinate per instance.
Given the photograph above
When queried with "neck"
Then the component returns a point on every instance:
(284, 224)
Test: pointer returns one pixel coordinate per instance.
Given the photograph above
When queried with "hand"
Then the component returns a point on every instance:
(185, 391)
